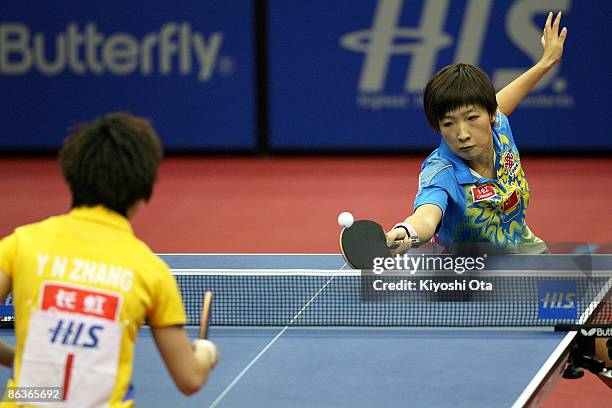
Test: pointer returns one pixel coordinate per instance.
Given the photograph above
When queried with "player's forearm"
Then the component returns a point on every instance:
(188, 366)
(425, 221)
(192, 375)
(7, 354)
(512, 94)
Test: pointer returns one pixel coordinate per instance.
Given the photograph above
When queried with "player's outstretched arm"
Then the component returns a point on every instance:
(189, 364)
(552, 42)
(424, 220)
(7, 353)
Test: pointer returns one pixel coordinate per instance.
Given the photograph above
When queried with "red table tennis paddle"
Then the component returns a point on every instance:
(205, 316)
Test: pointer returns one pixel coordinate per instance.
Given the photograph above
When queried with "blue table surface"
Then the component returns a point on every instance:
(353, 368)
(346, 367)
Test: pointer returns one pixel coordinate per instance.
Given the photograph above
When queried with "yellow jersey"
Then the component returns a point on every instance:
(82, 285)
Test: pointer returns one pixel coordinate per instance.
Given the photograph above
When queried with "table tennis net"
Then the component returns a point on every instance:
(347, 298)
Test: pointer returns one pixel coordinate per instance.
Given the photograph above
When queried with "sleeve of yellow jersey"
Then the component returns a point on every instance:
(8, 247)
(167, 307)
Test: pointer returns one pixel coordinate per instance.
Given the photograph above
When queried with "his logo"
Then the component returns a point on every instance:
(423, 43)
(557, 299)
(73, 333)
(379, 44)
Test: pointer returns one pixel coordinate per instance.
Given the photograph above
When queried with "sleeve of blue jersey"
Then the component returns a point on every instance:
(502, 125)
(435, 181)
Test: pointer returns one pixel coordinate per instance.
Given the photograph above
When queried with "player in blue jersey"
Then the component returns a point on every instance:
(472, 188)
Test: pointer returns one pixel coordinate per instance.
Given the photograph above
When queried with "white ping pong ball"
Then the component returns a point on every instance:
(345, 219)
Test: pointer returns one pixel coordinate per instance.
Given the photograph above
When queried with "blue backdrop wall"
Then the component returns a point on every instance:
(188, 66)
(352, 74)
(339, 75)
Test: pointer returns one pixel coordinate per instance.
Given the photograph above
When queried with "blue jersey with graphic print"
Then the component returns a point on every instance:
(477, 209)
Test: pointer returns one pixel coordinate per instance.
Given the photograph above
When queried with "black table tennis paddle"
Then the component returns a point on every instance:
(362, 242)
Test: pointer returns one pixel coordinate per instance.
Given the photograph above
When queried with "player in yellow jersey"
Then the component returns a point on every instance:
(83, 284)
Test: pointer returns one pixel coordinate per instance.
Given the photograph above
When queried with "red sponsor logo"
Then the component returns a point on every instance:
(75, 299)
(510, 163)
(483, 192)
(511, 202)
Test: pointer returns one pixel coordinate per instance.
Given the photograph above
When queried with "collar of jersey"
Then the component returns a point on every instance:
(102, 215)
(462, 170)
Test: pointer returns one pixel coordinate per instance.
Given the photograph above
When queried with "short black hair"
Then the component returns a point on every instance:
(455, 86)
(111, 161)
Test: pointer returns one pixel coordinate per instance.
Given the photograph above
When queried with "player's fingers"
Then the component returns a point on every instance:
(206, 351)
(393, 235)
(555, 26)
(217, 357)
(563, 35)
(548, 23)
(400, 234)
(403, 247)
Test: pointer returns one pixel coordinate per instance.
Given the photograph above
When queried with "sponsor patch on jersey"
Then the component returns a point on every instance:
(80, 300)
(510, 163)
(480, 193)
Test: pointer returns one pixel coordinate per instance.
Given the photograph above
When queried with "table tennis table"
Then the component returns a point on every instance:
(347, 366)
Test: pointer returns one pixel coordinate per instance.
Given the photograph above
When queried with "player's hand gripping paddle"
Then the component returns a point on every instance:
(362, 242)
(204, 318)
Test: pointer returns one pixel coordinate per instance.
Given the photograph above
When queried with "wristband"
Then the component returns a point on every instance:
(410, 231)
